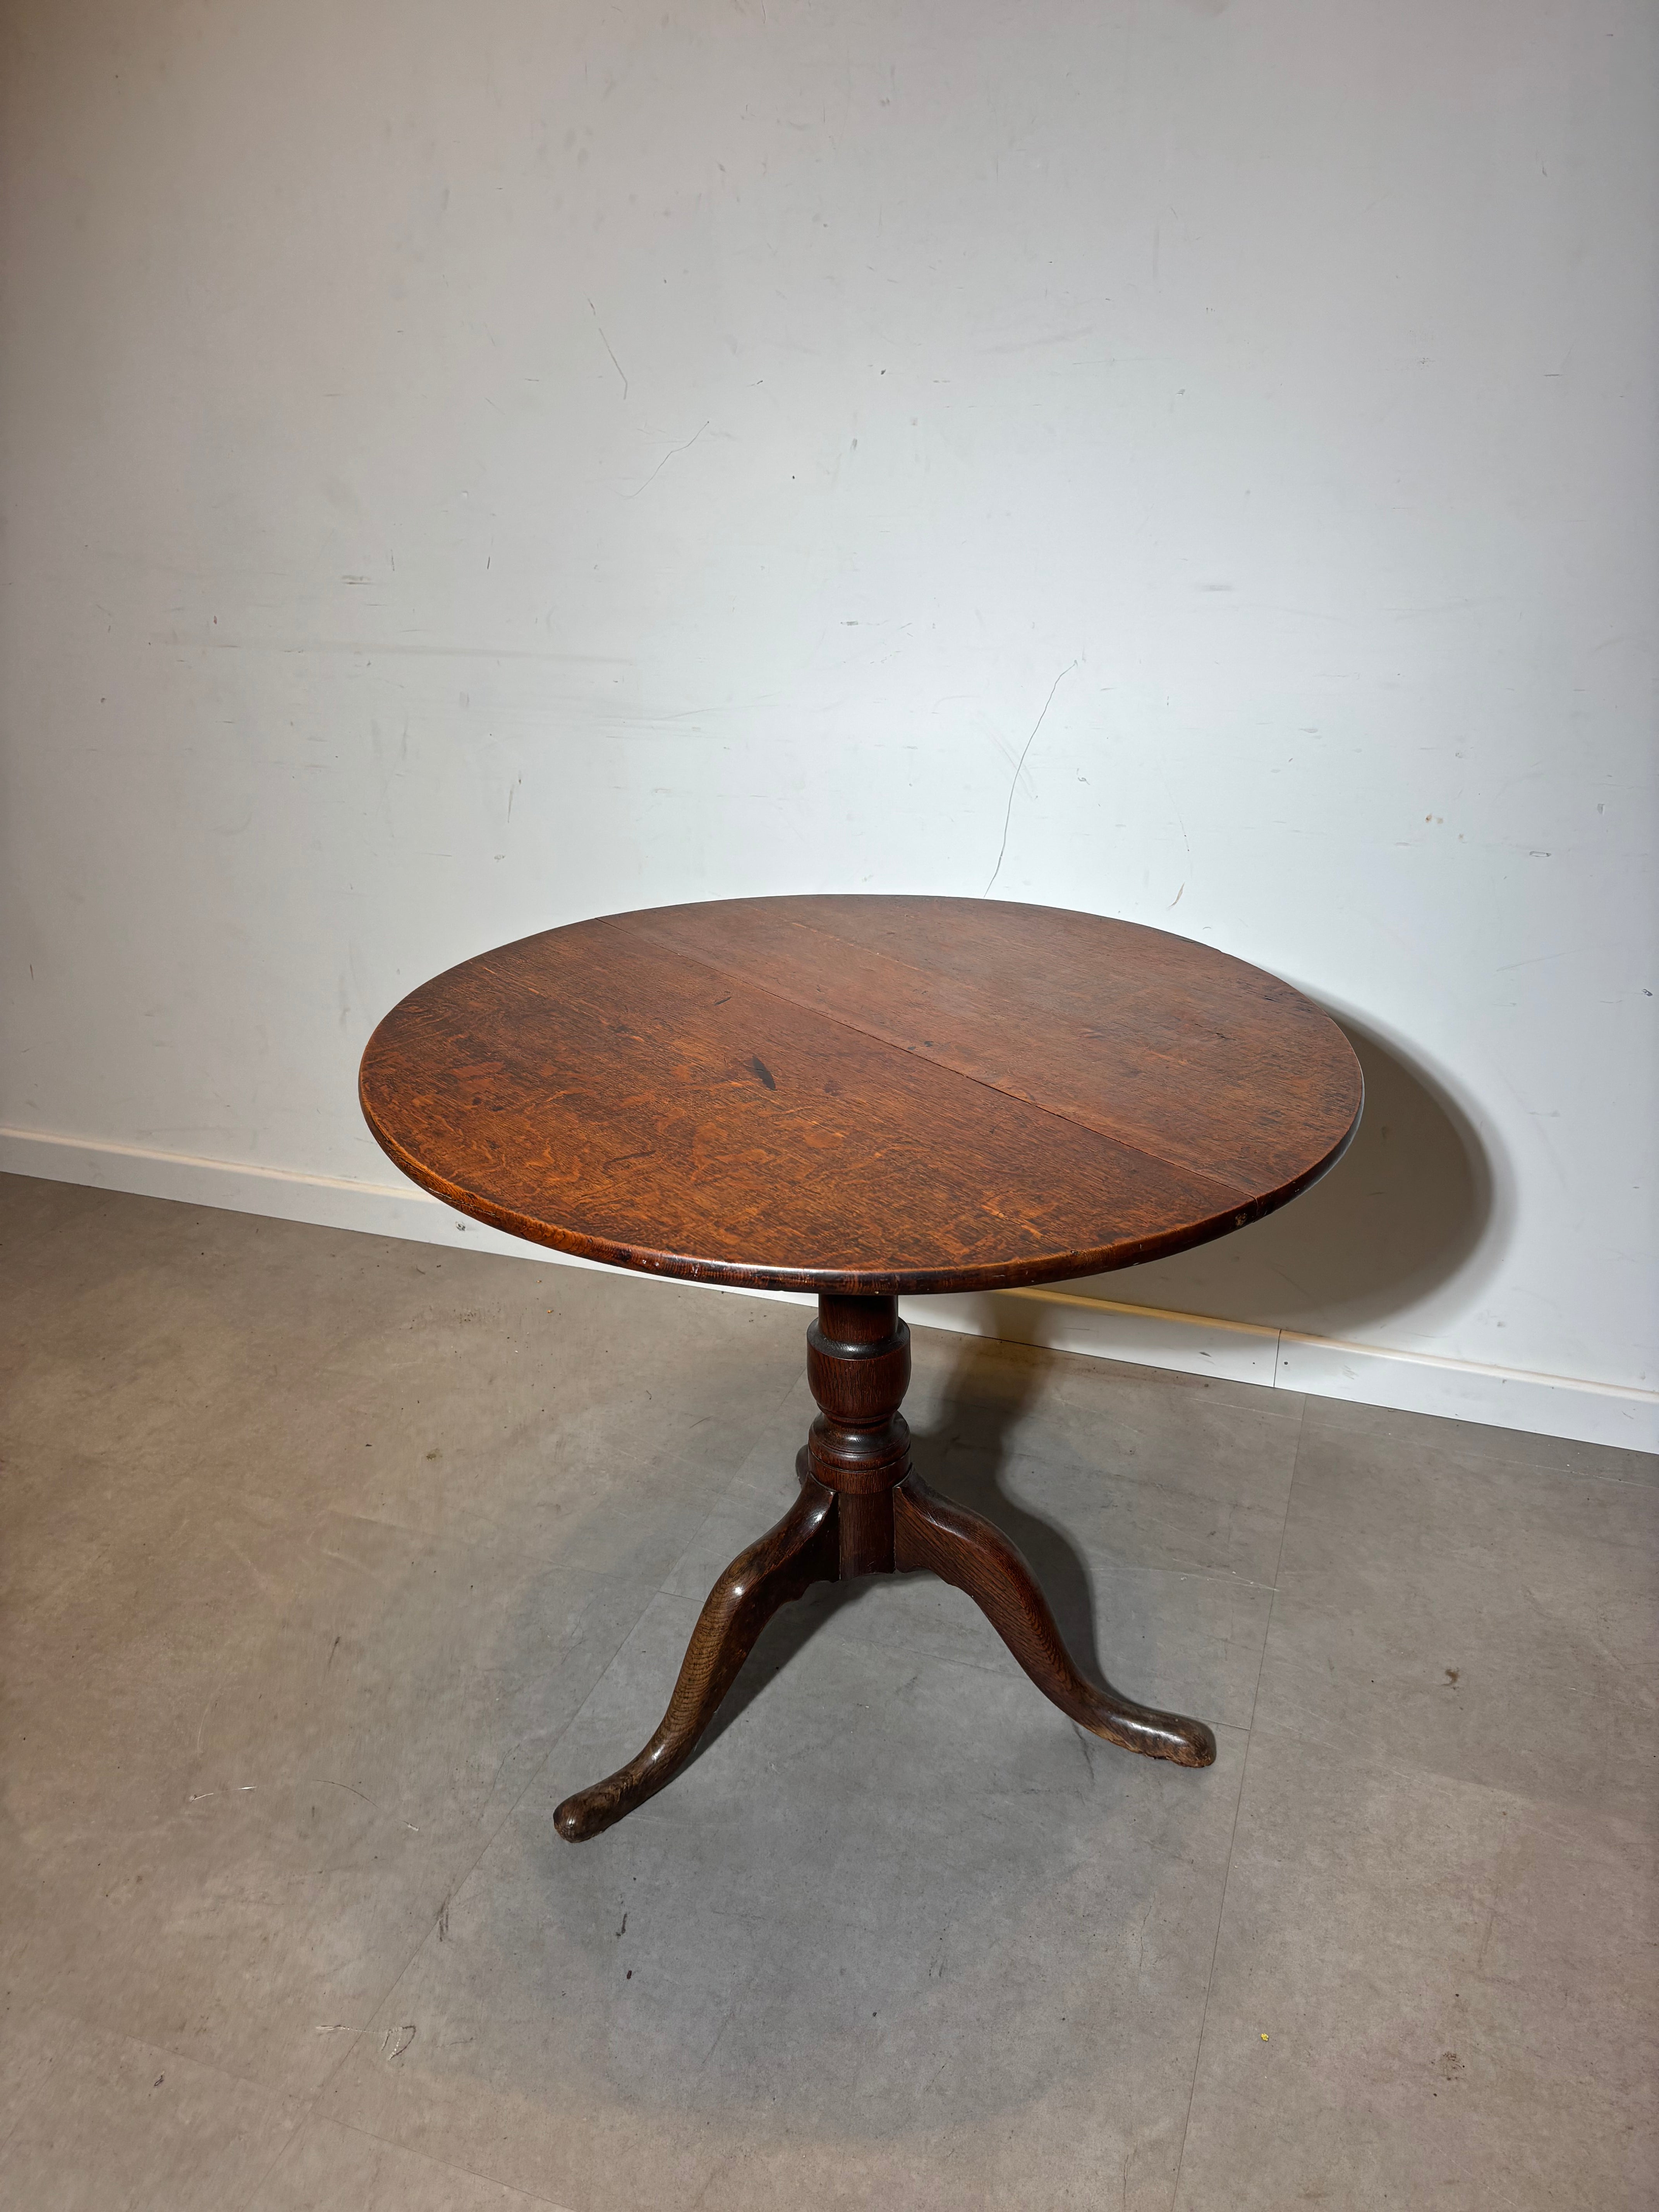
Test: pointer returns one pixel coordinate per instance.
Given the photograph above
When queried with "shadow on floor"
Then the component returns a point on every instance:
(1417, 1198)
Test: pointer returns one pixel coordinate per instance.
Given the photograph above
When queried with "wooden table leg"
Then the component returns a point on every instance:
(799, 1552)
(861, 1510)
(962, 1547)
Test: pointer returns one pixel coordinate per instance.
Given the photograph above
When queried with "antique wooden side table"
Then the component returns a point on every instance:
(866, 1098)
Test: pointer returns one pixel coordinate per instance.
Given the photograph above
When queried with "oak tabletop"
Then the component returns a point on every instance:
(861, 1094)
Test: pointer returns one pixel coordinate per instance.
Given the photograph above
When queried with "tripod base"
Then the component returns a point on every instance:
(861, 1510)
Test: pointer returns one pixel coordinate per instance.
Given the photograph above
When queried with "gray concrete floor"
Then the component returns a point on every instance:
(331, 1565)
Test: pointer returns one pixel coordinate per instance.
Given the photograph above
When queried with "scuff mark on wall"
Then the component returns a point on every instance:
(605, 342)
(1020, 766)
(663, 462)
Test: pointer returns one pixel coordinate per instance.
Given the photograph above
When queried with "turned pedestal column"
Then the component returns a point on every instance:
(862, 1511)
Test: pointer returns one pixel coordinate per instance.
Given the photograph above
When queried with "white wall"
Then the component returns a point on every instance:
(467, 468)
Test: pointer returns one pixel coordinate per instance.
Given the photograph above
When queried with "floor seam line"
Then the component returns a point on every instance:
(662, 1589)
(1279, 1563)
(97, 2025)
(530, 1780)
(1238, 1807)
(1209, 1982)
(459, 1882)
(419, 1945)
(21, 2112)
(447, 2165)
(285, 2146)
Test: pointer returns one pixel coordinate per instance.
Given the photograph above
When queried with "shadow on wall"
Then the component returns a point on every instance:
(1416, 1200)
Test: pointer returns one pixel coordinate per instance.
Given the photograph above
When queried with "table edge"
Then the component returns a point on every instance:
(902, 1282)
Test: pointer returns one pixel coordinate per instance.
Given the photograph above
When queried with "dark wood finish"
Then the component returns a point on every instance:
(857, 1368)
(799, 1552)
(962, 1547)
(862, 1511)
(862, 1096)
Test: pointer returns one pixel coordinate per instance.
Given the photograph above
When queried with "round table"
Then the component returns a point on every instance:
(863, 1098)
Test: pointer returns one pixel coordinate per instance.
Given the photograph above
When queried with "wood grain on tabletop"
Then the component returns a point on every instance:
(861, 1094)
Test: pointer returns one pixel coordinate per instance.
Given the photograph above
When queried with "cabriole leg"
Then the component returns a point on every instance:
(799, 1552)
(960, 1548)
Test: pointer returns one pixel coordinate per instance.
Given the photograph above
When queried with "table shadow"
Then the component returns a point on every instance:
(1419, 1197)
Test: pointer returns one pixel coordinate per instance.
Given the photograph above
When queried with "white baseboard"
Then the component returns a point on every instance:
(378, 1209)
(1191, 1343)
(1324, 1367)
